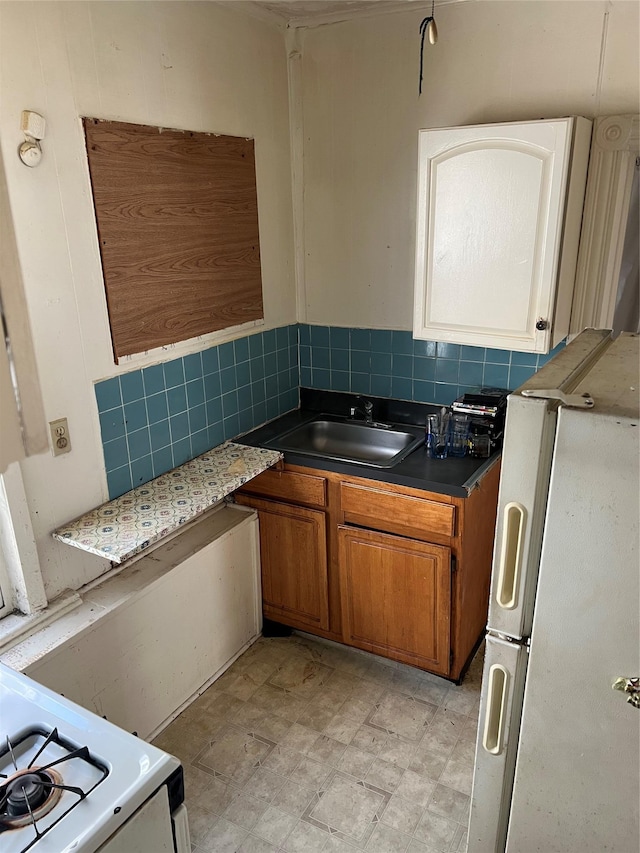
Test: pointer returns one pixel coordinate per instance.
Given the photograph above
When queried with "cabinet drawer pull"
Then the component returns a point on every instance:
(511, 555)
(496, 704)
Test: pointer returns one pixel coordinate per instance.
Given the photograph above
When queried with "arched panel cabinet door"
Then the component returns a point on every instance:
(498, 224)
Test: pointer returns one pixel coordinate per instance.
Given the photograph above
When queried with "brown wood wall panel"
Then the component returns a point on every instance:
(177, 218)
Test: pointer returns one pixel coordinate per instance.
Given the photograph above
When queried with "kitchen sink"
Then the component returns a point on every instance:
(378, 445)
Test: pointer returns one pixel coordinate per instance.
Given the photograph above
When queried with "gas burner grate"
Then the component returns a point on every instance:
(32, 792)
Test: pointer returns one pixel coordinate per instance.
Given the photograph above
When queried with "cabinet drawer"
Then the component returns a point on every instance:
(396, 513)
(290, 486)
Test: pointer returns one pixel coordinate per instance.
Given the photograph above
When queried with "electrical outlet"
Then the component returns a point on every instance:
(60, 439)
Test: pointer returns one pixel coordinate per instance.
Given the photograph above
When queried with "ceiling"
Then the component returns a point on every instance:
(300, 13)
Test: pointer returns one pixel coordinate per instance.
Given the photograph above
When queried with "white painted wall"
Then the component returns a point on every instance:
(494, 61)
(187, 65)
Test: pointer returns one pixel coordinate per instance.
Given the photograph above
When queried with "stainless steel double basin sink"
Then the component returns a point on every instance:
(378, 445)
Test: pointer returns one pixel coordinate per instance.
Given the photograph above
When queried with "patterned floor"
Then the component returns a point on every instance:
(305, 746)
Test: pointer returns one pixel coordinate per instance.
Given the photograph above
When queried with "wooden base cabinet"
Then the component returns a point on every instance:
(396, 597)
(393, 570)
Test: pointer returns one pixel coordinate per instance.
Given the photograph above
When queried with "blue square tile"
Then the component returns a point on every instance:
(271, 386)
(182, 451)
(228, 381)
(241, 350)
(282, 359)
(269, 341)
(231, 427)
(139, 443)
(380, 385)
(294, 374)
(270, 364)
(173, 373)
(340, 380)
(177, 399)
(524, 359)
(338, 338)
(135, 415)
(321, 379)
(245, 400)
(402, 343)
(199, 442)
(179, 427)
(210, 361)
(283, 381)
(192, 366)
(472, 353)
(361, 339)
(497, 356)
(444, 350)
(116, 453)
(162, 461)
(282, 337)
(131, 386)
(197, 418)
(518, 375)
(447, 370)
(245, 419)
(153, 378)
(426, 349)
(293, 399)
(195, 393)
(471, 373)
(293, 335)
(320, 358)
(159, 435)
(243, 373)
(273, 408)
(340, 359)
(304, 332)
(293, 356)
(424, 369)
(215, 433)
(108, 394)
(213, 408)
(445, 393)
(401, 388)
(496, 375)
(255, 346)
(157, 408)
(402, 367)
(361, 383)
(305, 377)
(226, 355)
(141, 470)
(423, 392)
(320, 336)
(381, 363)
(112, 424)
(256, 368)
(381, 340)
(260, 413)
(305, 356)
(360, 361)
(258, 392)
(212, 386)
(119, 482)
(229, 404)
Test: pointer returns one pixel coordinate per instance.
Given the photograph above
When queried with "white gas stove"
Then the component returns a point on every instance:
(71, 782)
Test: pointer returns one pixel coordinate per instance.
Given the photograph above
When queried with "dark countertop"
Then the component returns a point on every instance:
(451, 476)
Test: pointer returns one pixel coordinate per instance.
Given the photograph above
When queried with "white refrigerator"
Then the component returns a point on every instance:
(558, 751)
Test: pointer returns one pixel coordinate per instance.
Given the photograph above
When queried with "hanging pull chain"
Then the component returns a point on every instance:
(427, 27)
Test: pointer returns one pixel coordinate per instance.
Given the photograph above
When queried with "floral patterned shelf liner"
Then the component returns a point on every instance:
(123, 527)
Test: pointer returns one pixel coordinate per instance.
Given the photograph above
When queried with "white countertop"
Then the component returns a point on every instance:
(127, 525)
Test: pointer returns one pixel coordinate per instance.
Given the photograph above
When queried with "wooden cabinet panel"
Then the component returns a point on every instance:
(396, 597)
(293, 556)
(290, 486)
(396, 513)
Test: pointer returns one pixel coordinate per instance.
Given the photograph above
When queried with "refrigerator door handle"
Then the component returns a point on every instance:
(514, 517)
(496, 703)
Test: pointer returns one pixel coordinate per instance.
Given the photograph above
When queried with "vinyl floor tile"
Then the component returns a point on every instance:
(305, 746)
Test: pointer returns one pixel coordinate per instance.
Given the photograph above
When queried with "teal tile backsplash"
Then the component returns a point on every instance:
(157, 418)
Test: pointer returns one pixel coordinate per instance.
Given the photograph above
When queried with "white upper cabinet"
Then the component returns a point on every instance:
(498, 224)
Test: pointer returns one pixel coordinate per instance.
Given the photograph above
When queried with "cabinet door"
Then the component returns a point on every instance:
(293, 559)
(396, 597)
(498, 231)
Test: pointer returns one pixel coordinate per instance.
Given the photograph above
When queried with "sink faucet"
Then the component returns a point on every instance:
(366, 410)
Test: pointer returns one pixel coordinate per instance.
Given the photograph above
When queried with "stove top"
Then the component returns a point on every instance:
(68, 778)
